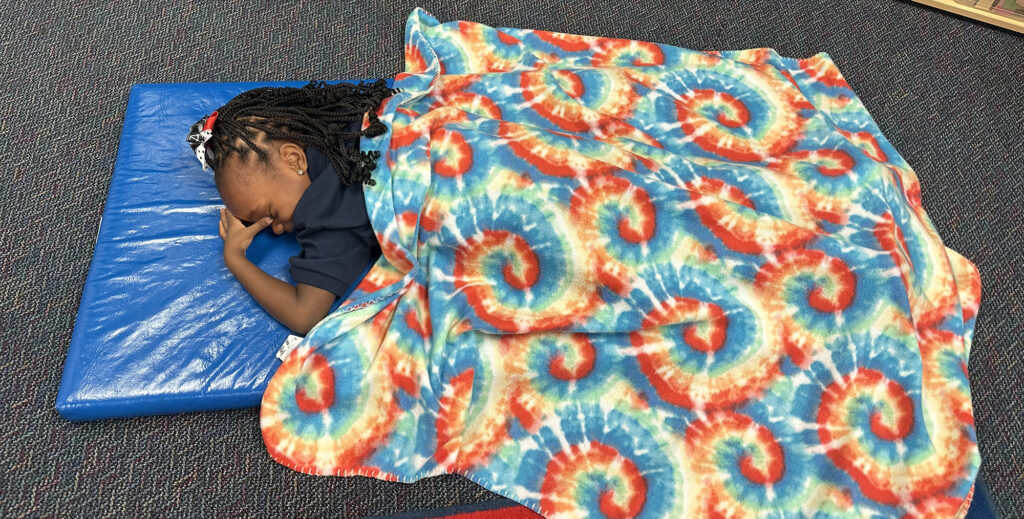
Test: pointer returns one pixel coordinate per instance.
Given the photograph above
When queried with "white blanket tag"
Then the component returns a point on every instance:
(289, 344)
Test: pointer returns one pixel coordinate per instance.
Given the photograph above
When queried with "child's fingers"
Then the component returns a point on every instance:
(223, 223)
(259, 225)
(230, 220)
(235, 225)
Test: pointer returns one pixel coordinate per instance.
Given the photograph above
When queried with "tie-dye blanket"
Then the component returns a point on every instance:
(626, 279)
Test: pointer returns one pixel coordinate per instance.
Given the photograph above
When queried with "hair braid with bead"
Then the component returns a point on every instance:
(314, 115)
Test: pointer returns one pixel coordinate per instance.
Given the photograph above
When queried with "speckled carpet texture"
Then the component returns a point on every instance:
(947, 92)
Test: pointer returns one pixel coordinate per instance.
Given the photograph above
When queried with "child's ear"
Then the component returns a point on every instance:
(294, 155)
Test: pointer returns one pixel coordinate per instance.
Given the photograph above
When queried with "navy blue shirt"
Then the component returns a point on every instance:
(333, 228)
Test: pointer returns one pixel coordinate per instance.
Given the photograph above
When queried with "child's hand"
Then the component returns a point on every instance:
(236, 235)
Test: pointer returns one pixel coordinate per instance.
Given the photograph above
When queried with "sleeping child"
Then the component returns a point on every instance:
(288, 158)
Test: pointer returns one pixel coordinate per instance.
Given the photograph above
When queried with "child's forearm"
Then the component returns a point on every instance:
(279, 298)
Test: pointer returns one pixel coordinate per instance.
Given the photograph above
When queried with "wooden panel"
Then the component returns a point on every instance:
(976, 13)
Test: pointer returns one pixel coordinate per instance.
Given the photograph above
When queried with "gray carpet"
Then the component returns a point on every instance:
(948, 93)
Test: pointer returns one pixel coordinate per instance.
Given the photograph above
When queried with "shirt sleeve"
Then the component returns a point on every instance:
(332, 259)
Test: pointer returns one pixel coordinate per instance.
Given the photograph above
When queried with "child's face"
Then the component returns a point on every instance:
(252, 190)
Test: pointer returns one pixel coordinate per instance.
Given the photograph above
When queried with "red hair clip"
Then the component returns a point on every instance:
(201, 132)
(210, 120)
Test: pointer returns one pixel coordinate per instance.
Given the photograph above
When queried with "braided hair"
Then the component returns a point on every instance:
(315, 115)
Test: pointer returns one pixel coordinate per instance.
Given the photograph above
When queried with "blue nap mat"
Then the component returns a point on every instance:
(163, 327)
